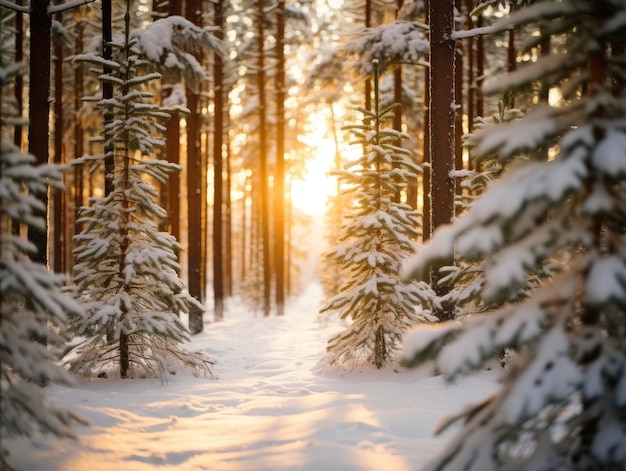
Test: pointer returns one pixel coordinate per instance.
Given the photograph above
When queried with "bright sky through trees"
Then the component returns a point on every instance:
(311, 194)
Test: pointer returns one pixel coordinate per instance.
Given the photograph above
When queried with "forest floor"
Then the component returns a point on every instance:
(270, 407)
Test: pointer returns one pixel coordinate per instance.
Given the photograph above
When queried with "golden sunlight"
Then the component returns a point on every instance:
(311, 194)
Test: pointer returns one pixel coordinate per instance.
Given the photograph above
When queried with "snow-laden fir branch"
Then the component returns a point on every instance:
(563, 395)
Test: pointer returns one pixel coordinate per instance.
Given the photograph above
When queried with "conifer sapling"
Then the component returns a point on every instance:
(379, 232)
(126, 275)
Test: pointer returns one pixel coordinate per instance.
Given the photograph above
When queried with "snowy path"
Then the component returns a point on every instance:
(268, 410)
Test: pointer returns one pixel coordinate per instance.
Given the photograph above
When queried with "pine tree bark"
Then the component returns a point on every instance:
(263, 175)
(39, 106)
(170, 191)
(58, 196)
(442, 122)
(107, 94)
(228, 232)
(426, 159)
(471, 85)
(218, 187)
(78, 128)
(279, 180)
(194, 193)
(19, 80)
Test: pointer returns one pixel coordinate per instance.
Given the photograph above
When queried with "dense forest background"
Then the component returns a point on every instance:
(272, 87)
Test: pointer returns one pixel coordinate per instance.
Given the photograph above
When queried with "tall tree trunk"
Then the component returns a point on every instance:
(279, 180)
(228, 221)
(39, 106)
(170, 191)
(263, 175)
(288, 237)
(442, 122)
(107, 94)
(426, 160)
(78, 125)
(194, 193)
(19, 80)
(218, 159)
(470, 53)
(426, 187)
(58, 197)
(245, 230)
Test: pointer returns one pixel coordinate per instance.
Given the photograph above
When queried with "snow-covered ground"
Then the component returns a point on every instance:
(270, 408)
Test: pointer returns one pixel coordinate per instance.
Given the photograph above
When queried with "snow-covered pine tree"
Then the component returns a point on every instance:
(562, 403)
(466, 277)
(126, 275)
(32, 305)
(378, 233)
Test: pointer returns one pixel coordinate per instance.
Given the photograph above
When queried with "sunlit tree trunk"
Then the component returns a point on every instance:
(169, 196)
(470, 80)
(426, 190)
(58, 197)
(279, 180)
(426, 177)
(245, 230)
(288, 239)
(263, 175)
(218, 187)
(442, 122)
(228, 220)
(194, 192)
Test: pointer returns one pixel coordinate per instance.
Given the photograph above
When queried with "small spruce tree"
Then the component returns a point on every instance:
(562, 403)
(126, 272)
(32, 305)
(378, 233)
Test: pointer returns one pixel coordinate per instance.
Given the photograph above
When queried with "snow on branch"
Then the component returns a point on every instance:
(14, 7)
(472, 33)
(67, 6)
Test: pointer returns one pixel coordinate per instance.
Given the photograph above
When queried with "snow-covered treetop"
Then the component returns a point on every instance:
(399, 42)
(173, 44)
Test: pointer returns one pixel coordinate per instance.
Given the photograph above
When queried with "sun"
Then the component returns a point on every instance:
(310, 195)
